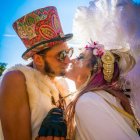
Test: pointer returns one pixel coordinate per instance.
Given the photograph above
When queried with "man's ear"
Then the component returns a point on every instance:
(38, 60)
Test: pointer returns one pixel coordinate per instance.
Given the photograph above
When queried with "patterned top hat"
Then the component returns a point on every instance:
(39, 30)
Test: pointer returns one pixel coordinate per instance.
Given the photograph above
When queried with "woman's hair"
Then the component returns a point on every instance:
(97, 81)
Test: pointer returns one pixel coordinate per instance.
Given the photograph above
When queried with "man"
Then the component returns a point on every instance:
(27, 93)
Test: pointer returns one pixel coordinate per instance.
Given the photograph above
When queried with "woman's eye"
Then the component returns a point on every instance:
(80, 57)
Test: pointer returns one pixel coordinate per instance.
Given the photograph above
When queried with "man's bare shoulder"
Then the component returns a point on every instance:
(13, 81)
(14, 75)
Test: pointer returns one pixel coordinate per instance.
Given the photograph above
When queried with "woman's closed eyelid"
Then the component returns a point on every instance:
(80, 57)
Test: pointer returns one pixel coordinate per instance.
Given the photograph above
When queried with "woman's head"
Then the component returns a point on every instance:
(93, 61)
(101, 64)
(81, 67)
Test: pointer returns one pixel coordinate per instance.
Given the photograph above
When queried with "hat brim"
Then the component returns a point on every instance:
(34, 49)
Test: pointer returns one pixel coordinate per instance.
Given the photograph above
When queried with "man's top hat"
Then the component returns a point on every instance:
(39, 30)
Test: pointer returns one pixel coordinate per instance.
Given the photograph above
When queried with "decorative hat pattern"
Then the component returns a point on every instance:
(39, 30)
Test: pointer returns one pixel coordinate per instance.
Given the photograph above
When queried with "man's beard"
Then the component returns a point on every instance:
(51, 72)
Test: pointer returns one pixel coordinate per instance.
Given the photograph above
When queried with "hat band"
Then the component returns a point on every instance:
(58, 38)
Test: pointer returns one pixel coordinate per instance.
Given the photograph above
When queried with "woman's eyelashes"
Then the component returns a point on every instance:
(81, 56)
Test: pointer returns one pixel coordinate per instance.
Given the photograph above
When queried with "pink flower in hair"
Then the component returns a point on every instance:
(98, 49)
(86, 46)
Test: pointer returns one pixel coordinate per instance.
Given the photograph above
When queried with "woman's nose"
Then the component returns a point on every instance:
(73, 61)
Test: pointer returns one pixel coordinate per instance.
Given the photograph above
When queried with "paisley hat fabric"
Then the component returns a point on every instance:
(39, 30)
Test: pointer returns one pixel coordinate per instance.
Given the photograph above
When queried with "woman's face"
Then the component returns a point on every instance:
(79, 70)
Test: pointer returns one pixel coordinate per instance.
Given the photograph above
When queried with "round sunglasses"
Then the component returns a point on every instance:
(63, 54)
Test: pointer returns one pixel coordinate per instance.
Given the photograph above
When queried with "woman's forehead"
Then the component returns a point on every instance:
(86, 52)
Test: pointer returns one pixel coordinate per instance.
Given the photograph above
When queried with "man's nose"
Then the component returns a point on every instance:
(67, 60)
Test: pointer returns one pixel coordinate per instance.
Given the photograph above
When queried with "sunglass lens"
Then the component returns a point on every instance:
(70, 53)
(62, 55)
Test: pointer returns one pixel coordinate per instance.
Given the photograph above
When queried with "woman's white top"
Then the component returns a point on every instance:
(97, 120)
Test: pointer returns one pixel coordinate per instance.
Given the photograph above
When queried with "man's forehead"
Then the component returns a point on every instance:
(58, 48)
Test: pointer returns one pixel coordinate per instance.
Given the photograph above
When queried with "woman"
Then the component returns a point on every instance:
(101, 110)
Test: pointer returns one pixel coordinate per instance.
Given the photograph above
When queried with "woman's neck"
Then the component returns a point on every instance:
(82, 81)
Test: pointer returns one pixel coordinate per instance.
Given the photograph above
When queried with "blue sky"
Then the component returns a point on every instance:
(11, 47)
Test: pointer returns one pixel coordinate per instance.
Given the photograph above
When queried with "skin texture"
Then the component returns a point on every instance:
(79, 71)
(15, 113)
(57, 67)
(50, 60)
(14, 106)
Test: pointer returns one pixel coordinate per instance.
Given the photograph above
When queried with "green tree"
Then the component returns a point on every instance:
(2, 67)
